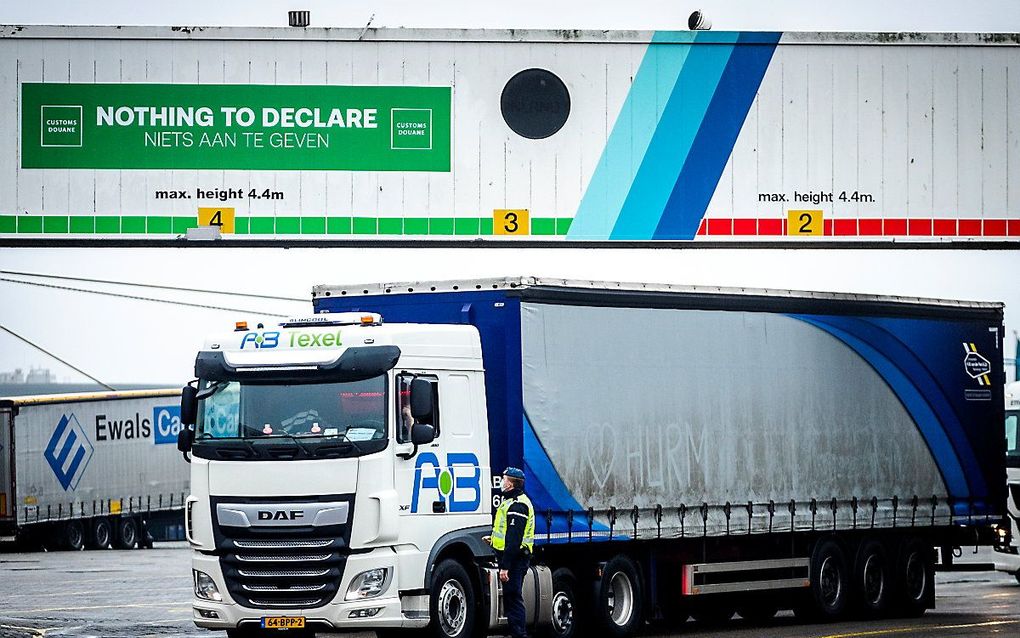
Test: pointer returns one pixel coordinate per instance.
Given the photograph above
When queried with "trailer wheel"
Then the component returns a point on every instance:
(565, 611)
(830, 583)
(872, 579)
(619, 597)
(915, 578)
(100, 534)
(127, 533)
(451, 602)
(72, 536)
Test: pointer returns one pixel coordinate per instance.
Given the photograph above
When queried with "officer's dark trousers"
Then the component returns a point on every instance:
(513, 599)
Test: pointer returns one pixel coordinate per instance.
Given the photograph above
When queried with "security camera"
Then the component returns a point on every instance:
(698, 22)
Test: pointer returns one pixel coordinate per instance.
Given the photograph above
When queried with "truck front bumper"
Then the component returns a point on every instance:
(384, 610)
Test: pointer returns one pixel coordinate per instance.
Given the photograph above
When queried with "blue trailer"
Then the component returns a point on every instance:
(707, 443)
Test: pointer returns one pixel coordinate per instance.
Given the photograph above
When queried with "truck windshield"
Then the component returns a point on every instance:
(1012, 435)
(355, 411)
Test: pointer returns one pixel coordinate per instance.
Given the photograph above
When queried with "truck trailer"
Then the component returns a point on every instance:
(89, 470)
(689, 451)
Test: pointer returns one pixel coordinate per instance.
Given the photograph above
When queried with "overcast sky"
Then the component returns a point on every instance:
(133, 341)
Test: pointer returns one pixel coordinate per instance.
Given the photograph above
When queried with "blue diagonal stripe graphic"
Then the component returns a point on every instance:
(674, 136)
(716, 136)
(632, 132)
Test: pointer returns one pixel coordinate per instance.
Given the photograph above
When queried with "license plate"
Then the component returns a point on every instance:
(283, 622)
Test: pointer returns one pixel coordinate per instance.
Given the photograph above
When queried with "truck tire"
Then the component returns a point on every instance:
(72, 536)
(126, 533)
(452, 602)
(566, 615)
(619, 599)
(830, 584)
(100, 533)
(873, 582)
(915, 579)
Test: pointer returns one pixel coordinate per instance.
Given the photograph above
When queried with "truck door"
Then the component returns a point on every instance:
(445, 477)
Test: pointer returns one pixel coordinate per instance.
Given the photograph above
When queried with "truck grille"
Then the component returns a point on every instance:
(283, 573)
(283, 563)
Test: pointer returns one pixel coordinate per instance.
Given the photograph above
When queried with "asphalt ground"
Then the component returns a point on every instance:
(142, 593)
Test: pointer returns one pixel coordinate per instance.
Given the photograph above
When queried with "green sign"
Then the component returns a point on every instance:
(235, 126)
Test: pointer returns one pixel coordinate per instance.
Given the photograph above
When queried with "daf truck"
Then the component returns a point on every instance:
(90, 470)
(689, 451)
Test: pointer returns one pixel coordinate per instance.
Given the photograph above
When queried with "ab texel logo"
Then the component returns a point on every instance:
(69, 452)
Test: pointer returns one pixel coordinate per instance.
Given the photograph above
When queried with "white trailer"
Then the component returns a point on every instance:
(389, 134)
(89, 470)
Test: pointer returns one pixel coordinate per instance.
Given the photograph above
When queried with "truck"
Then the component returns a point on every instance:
(1007, 558)
(689, 451)
(90, 470)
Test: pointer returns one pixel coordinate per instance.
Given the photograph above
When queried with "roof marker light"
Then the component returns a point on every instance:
(240, 326)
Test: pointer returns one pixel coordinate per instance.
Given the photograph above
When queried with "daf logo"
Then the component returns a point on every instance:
(280, 515)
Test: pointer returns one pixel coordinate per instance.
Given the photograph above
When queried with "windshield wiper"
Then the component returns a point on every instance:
(211, 389)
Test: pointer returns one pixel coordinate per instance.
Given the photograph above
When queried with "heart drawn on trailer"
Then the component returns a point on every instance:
(600, 444)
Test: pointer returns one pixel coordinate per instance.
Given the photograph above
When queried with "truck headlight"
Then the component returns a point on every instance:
(369, 584)
(205, 587)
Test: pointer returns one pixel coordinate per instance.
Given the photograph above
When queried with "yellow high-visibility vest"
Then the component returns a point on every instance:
(499, 524)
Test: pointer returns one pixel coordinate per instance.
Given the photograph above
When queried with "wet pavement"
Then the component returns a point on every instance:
(141, 593)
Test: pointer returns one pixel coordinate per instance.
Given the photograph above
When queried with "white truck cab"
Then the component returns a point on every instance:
(311, 502)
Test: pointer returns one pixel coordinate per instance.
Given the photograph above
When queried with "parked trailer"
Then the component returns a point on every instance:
(689, 451)
(89, 470)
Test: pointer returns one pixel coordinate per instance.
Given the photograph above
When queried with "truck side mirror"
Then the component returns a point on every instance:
(421, 401)
(185, 438)
(189, 413)
(189, 405)
(422, 433)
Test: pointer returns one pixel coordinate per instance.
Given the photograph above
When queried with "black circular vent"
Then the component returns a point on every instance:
(535, 103)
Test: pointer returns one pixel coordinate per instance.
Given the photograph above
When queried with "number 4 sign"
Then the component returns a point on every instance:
(222, 217)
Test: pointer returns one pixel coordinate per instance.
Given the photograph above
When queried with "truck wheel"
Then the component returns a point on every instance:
(127, 533)
(565, 612)
(872, 579)
(830, 583)
(451, 602)
(100, 534)
(619, 599)
(915, 579)
(73, 536)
